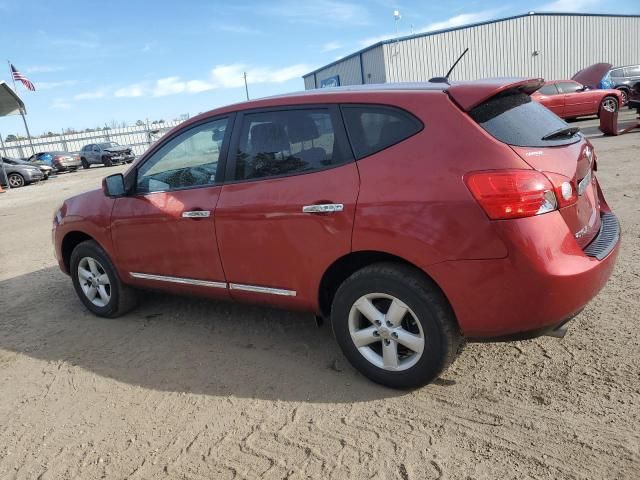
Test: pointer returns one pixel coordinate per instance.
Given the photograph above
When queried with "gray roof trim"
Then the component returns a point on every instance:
(462, 27)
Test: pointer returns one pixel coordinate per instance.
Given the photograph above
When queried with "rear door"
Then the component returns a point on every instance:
(287, 207)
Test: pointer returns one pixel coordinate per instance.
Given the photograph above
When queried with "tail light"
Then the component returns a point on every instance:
(566, 189)
(57, 158)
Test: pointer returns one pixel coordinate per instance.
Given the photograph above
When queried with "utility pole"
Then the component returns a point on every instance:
(246, 88)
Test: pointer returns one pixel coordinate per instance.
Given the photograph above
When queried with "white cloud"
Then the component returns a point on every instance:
(50, 85)
(569, 5)
(331, 46)
(43, 69)
(320, 12)
(197, 86)
(90, 95)
(61, 104)
(232, 75)
(135, 90)
(463, 19)
(168, 86)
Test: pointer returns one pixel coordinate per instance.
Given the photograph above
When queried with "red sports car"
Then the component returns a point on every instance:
(413, 216)
(579, 96)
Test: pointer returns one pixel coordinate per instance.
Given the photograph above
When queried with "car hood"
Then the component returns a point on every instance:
(121, 148)
(591, 76)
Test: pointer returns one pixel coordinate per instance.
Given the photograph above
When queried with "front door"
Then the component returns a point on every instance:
(577, 101)
(286, 211)
(164, 233)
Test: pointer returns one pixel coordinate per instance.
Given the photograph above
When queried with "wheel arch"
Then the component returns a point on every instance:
(70, 241)
(348, 264)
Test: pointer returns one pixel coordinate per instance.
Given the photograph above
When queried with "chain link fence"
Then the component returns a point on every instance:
(139, 137)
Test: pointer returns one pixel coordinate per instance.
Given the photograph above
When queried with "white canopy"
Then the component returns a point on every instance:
(10, 102)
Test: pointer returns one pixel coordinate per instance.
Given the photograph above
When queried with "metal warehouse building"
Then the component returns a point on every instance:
(548, 45)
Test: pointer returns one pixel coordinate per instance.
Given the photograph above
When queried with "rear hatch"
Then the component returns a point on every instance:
(548, 144)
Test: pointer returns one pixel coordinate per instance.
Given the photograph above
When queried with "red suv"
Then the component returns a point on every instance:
(414, 216)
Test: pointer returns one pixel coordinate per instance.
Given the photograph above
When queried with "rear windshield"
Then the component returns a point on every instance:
(516, 119)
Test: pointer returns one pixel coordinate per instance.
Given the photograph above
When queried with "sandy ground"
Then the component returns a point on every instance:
(184, 388)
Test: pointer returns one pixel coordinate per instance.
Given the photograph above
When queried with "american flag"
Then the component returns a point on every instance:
(21, 78)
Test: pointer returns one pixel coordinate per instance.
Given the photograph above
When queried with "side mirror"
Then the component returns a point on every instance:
(113, 185)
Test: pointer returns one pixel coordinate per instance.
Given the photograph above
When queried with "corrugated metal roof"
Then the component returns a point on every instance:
(462, 27)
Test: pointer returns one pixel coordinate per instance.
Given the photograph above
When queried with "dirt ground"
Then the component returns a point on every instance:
(184, 388)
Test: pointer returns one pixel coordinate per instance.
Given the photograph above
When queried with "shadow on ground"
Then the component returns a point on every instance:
(181, 344)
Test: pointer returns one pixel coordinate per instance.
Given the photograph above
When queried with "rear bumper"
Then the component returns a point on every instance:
(546, 279)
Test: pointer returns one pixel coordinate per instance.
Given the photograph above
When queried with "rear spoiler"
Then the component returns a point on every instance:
(471, 94)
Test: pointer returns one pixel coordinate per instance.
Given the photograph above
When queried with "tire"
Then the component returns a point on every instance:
(85, 164)
(428, 317)
(106, 161)
(16, 180)
(608, 103)
(625, 95)
(119, 298)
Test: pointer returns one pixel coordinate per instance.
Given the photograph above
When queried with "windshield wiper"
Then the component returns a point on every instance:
(563, 132)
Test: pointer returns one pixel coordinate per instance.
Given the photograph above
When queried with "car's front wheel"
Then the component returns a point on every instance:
(16, 180)
(106, 161)
(624, 93)
(84, 162)
(394, 325)
(97, 283)
(609, 104)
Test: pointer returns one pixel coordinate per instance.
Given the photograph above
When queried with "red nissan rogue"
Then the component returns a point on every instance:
(414, 216)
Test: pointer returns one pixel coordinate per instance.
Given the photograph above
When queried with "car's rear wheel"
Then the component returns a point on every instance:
(97, 283)
(394, 325)
(106, 161)
(84, 162)
(625, 95)
(609, 104)
(16, 180)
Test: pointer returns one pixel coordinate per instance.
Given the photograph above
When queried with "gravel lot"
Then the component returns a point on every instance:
(185, 388)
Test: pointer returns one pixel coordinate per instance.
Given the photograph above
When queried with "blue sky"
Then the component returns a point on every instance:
(94, 62)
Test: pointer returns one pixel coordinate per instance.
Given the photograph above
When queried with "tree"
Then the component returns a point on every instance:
(139, 123)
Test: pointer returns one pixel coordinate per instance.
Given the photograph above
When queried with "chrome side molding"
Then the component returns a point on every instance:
(212, 284)
(184, 281)
(257, 289)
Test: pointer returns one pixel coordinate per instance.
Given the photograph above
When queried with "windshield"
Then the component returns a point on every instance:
(108, 145)
(516, 119)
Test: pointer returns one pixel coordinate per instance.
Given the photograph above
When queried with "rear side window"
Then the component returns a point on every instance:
(372, 128)
(515, 119)
(287, 142)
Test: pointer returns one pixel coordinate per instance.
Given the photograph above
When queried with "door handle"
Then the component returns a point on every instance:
(196, 214)
(323, 208)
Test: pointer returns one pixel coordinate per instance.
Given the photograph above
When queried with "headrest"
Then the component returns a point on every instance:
(268, 138)
(302, 128)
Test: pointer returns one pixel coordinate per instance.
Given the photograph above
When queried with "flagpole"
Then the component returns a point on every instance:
(24, 120)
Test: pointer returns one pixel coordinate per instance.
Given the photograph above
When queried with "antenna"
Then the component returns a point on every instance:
(445, 79)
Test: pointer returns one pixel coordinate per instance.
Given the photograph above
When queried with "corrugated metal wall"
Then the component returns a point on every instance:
(373, 65)
(565, 44)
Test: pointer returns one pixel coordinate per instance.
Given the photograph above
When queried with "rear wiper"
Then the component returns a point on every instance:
(563, 132)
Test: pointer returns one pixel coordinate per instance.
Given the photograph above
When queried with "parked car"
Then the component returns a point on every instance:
(414, 216)
(58, 160)
(18, 173)
(44, 168)
(107, 154)
(624, 79)
(570, 99)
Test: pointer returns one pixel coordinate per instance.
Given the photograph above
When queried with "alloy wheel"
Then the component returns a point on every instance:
(386, 332)
(610, 105)
(94, 281)
(16, 181)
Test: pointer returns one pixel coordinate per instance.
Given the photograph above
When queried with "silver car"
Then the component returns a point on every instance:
(18, 173)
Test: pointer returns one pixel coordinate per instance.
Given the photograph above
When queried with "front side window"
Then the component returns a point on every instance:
(569, 87)
(374, 128)
(548, 89)
(287, 142)
(188, 160)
